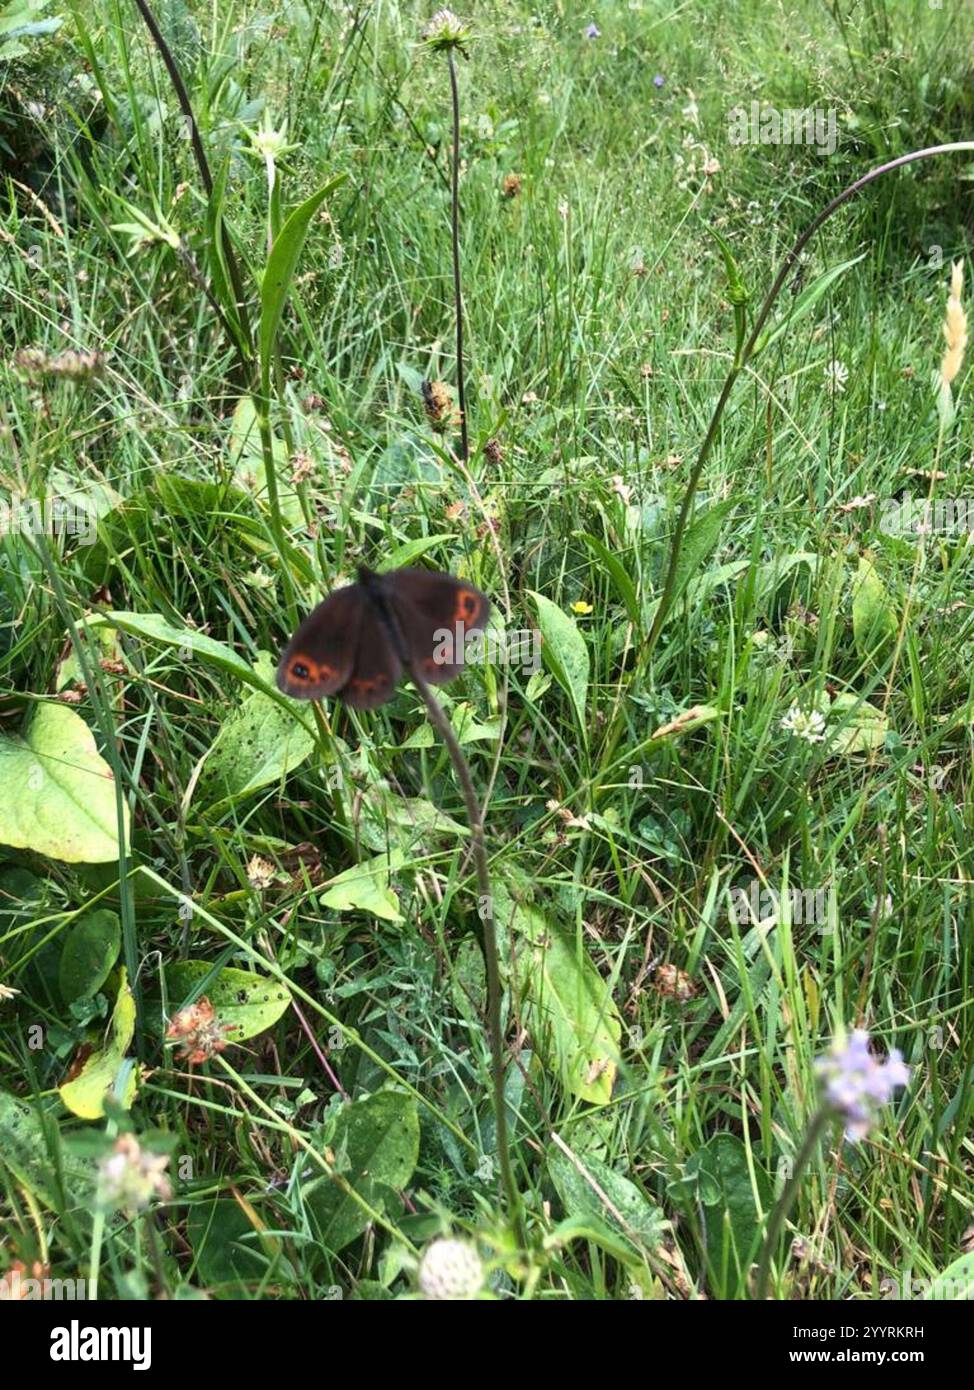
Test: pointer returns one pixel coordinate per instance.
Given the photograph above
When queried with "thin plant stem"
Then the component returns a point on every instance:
(492, 956)
(455, 235)
(786, 1201)
(199, 154)
(743, 357)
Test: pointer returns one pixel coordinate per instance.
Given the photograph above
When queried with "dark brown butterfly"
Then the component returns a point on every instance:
(357, 643)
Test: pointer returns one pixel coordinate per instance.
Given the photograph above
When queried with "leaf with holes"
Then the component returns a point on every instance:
(258, 744)
(245, 1003)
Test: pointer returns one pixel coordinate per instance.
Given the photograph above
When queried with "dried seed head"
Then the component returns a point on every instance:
(198, 1032)
(440, 410)
(69, 365)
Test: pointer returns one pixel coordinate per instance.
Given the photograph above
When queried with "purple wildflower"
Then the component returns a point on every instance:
(593, 32)
(857, 1085)
(659, 80)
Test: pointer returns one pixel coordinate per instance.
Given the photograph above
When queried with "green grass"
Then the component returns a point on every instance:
(599, 335)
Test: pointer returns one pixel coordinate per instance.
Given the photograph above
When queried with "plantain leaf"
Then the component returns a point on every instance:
(617, 572)
(566, 1006)
(565, 653)
(376, 1143)
(874, 624)
(804, 304)
(30, 1150)
(65, 804)
(365, 888)
(591, 1190)
(279, 271)
(258, 744)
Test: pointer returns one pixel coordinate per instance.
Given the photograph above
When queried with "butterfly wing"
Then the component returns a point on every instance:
(372, 680)
(436, 612)
(320, 657)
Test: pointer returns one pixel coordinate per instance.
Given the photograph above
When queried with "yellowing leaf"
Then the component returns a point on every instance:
(85, 1095)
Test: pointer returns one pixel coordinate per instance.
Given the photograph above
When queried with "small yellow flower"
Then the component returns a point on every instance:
(582, 608)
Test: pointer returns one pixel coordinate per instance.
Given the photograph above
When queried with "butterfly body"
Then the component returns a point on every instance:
(358, 642)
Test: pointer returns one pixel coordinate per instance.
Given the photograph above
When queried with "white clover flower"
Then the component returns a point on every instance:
(451, 1269)
(445, 30)
(836, 376)
(130, 1177)
(806, 724)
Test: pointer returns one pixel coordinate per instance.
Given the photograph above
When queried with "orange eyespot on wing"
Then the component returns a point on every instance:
(469, 607)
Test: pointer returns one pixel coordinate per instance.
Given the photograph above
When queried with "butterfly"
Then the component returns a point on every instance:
(357, 643)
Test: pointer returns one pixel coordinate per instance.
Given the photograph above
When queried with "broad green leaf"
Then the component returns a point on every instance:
(155, 628)
(244, 1003)
(735, 1211)
(376, 1147)
(565, 653)
(365, 888)
(247, 461)
(105, 1067)
(41, 1166)
(698, 589)
(258, 744)
(566, 1006)
(804, 304)
(413, 817)
(229, 1249)
(855, 726)
(874, 624)
(88, 954)
(409, 551)
(955, 1284)
(466, 726)
(279, 271)
(592, 1191)
(65, 804)
(99, 644)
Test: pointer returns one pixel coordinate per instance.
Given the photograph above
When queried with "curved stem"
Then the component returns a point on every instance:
(747, 352)
(445, 729)
(455, 233)
(786, 1201)
(199, 154)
